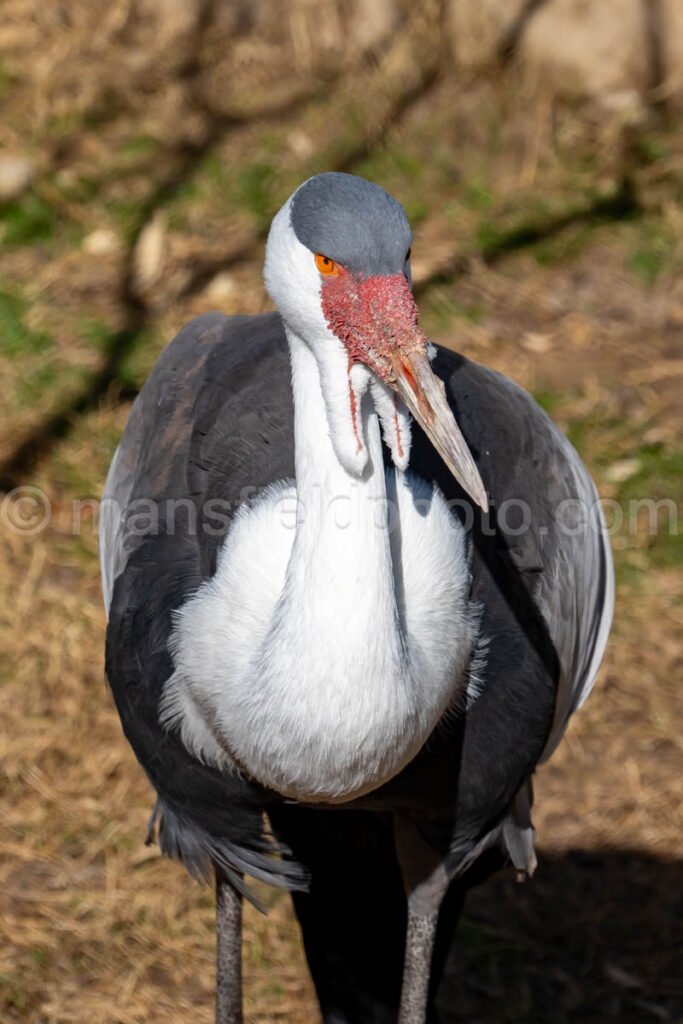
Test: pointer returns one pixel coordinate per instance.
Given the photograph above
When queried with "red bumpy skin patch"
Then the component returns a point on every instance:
(374, 317)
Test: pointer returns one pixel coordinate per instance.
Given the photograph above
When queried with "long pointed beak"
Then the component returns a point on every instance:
(425, 395)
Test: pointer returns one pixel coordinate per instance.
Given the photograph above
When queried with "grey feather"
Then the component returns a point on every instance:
(576, 596)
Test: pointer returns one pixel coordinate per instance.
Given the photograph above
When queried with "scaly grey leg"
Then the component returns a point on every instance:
(228, 953)
(426, 882)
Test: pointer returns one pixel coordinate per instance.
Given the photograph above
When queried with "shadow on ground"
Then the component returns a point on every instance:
(595, 936)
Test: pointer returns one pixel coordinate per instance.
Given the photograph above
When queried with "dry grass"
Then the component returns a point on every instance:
(149, 205)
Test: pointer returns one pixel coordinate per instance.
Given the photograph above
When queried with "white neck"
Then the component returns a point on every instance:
(328, 673)
(340, 580)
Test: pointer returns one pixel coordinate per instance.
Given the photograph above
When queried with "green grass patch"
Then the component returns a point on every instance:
(402, 174)
(531, 223)
(125, 215)
(490, 236)
(256, 186)
(80, 466)
(649, 147)
(21, 990)
(440, 311)
(553, 227)
(96, 333)
(26, 221)
(219, 188)
(39, 956)
(654, 254)
(16, 339)
(64, 125)
(139, 146)
(660, 474)
(549, 401)
(646, 522)
(652, 500)
(477, 196)
(565, 245)
(137, 365)
(79, 190)
(35, 382)
(213, 169)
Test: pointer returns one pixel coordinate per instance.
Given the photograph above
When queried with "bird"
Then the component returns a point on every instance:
(356, 585)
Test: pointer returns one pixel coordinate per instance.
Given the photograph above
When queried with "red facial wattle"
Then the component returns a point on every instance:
(375, 317)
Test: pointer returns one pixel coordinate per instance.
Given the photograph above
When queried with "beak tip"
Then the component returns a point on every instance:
(477, 493)
(424, 393)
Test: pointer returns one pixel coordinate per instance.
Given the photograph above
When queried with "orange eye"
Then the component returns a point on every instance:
(325, 265)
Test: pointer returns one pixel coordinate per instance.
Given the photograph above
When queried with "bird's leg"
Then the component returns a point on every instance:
(228, 952)
(426, 882)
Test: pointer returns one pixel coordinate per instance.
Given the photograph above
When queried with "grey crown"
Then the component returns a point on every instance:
(354, 222)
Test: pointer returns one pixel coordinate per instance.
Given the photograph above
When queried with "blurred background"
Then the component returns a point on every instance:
(144, 146)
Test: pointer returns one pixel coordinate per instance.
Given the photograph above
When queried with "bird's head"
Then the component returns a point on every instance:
(338, 269)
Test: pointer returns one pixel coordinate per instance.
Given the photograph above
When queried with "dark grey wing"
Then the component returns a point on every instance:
(150, 465)
(212, 426)
(551, 533)
(542, 576)
(576, 592)
(549, 517)
(115, 496)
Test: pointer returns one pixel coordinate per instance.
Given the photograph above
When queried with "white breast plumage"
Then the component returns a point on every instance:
(347, 709)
